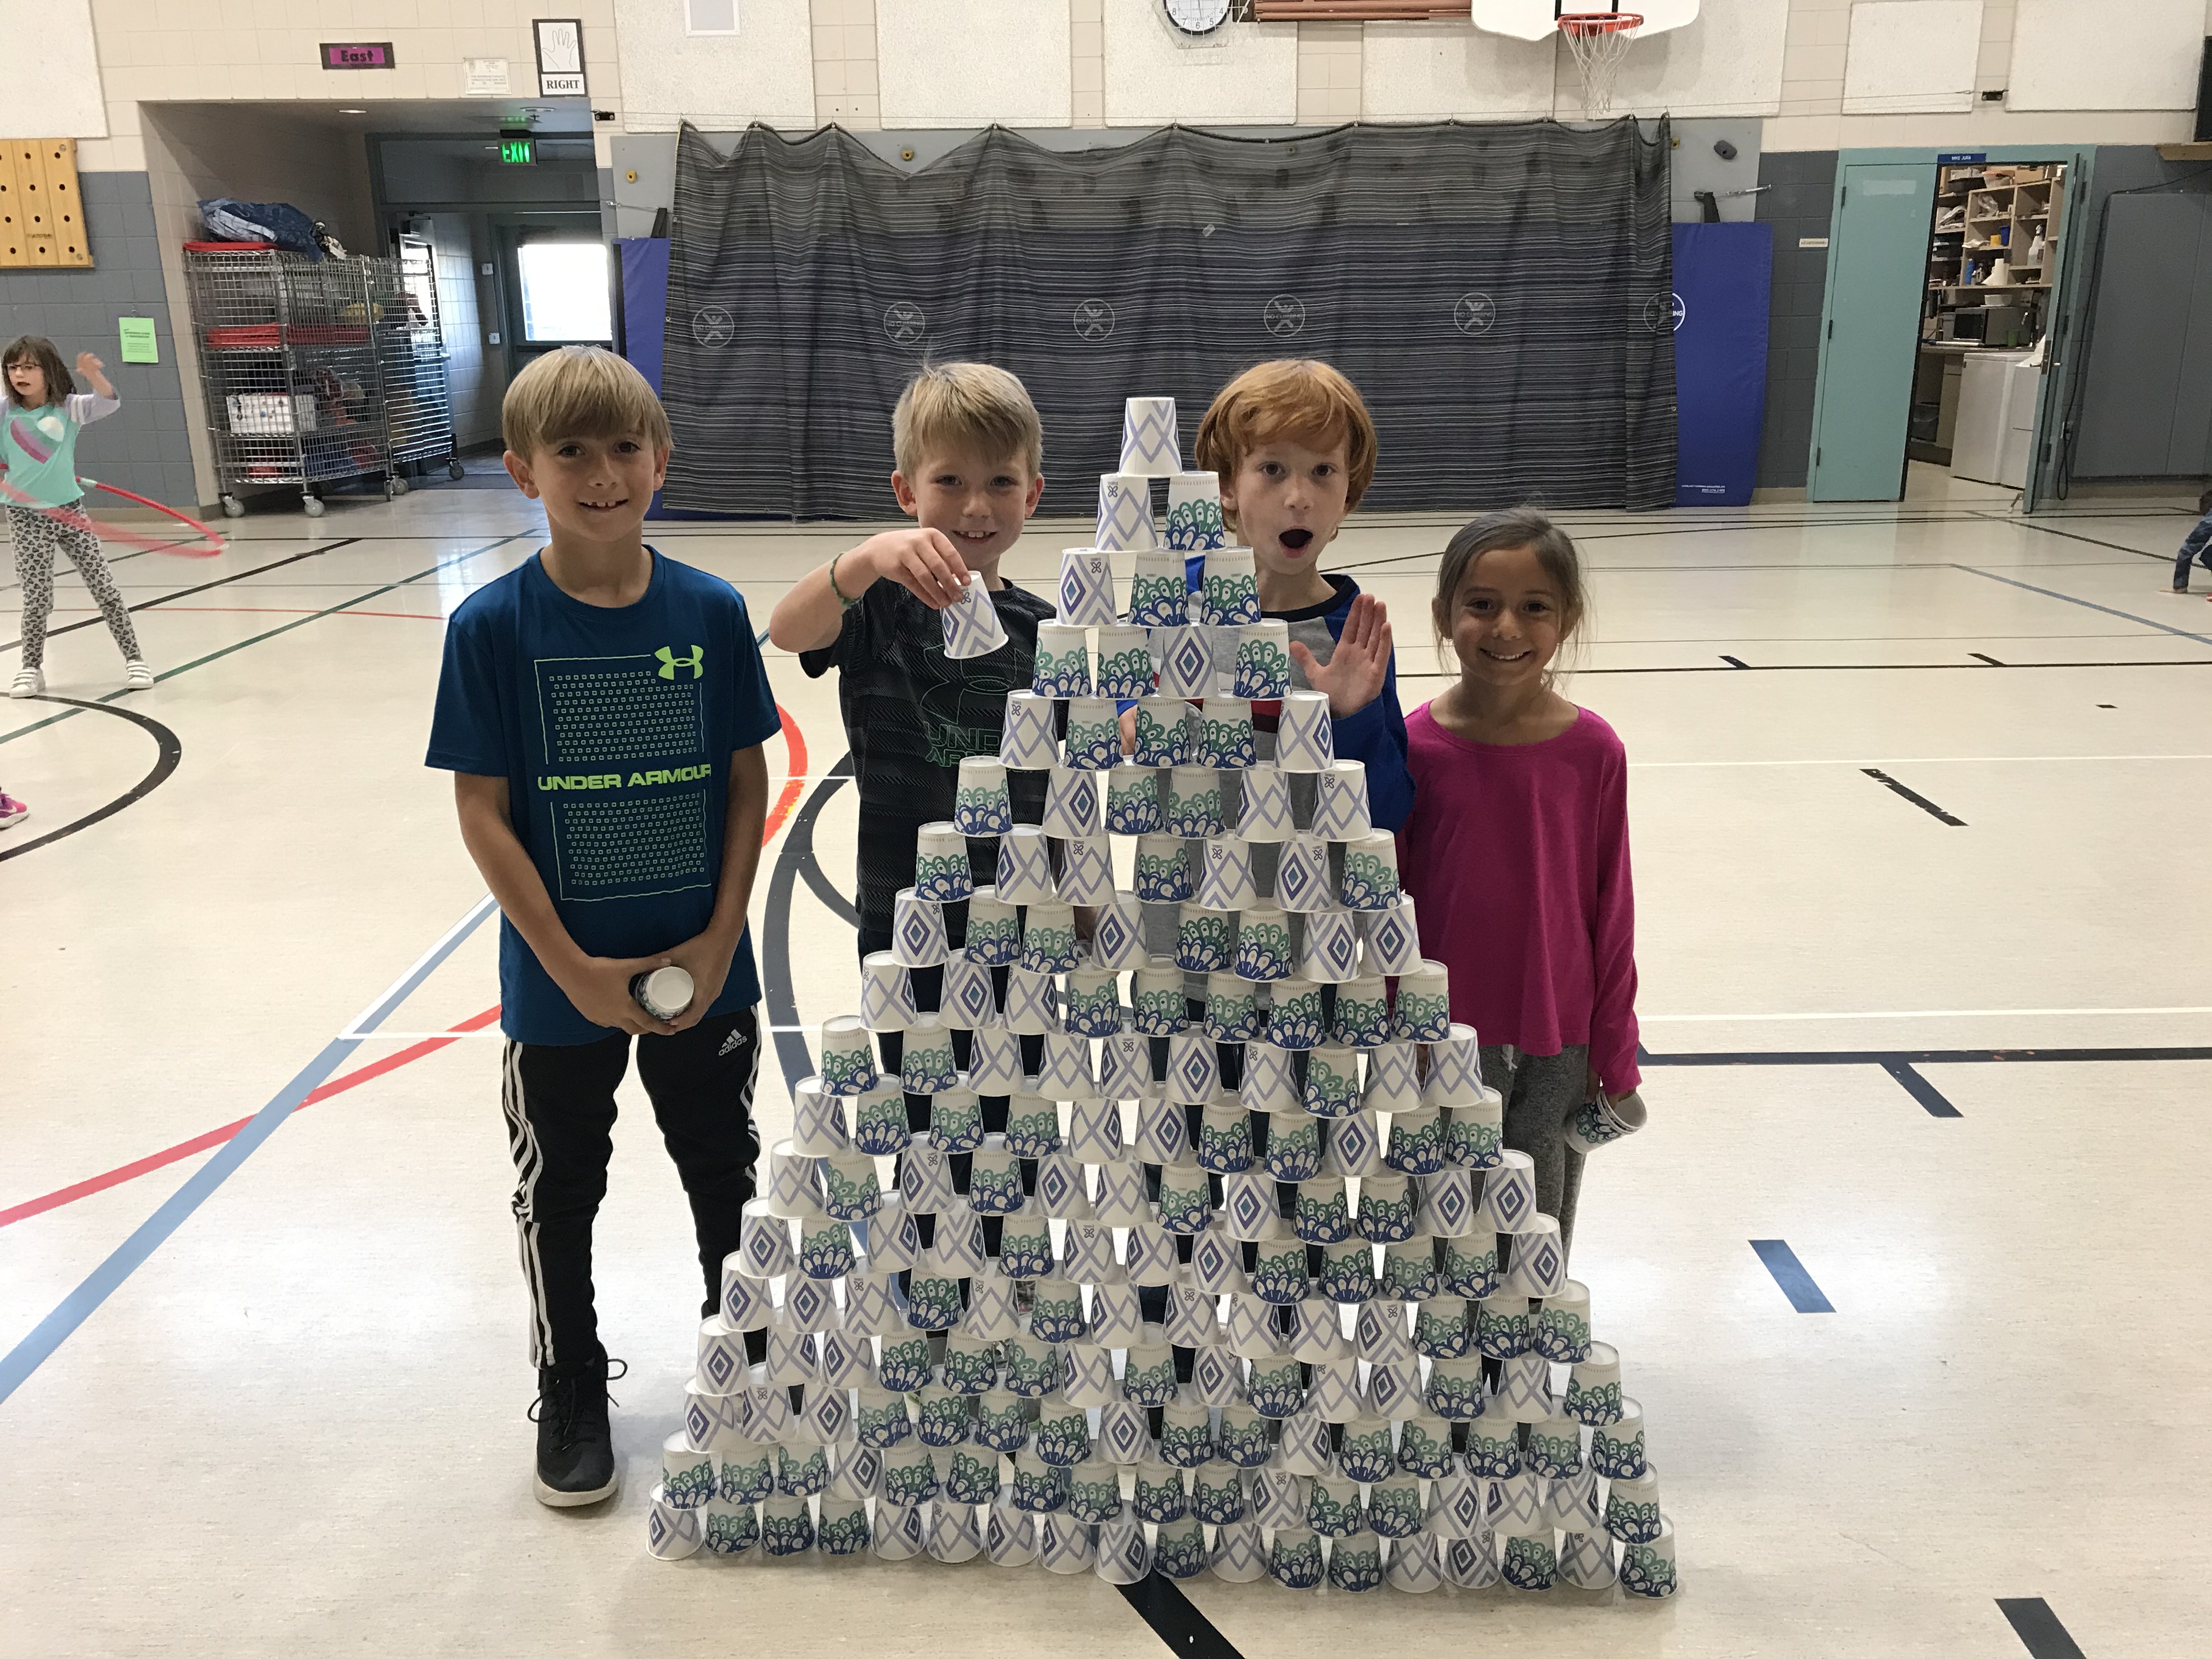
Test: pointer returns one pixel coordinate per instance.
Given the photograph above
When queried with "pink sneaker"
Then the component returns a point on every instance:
(12, 812)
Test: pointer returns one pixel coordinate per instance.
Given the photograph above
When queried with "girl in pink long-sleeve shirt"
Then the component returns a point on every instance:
(1516, 852)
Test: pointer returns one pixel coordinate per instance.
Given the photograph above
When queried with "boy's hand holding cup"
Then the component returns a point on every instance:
(924, 562)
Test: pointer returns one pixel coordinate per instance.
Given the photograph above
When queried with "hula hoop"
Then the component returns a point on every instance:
(76, 519)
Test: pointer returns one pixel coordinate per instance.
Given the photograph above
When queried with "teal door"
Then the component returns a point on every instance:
(1876, 276)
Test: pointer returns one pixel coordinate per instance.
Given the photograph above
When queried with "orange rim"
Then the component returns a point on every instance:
(1599, 23)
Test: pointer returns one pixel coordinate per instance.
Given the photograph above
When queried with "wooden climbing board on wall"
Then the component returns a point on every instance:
(41, 220)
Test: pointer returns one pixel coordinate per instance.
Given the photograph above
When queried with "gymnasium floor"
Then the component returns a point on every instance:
(282, 1411)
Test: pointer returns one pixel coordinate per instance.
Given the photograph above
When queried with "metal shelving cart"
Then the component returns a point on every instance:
(418, 409)
(291, 369)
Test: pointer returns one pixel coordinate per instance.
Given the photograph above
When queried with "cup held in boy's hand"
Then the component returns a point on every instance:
(972, 627)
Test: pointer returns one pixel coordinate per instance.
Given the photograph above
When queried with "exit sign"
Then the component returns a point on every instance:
(517, 151)
(357, 55)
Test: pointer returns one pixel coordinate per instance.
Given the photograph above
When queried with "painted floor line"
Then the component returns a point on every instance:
(2086, 604)
(81, 1303)
(1789, 1273)
(2038, 1628)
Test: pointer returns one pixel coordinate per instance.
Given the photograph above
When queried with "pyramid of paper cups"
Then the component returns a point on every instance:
(955, 1373)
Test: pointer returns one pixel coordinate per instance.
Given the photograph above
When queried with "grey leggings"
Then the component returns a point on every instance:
(37, 538)
(1539, 1090)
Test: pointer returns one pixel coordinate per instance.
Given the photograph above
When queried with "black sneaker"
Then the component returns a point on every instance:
(575, 1449)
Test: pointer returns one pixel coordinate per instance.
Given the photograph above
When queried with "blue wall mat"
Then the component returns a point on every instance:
(645, 300)
(645, 313)
(1724, 278)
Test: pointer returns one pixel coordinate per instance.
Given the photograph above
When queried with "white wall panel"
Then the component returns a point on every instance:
(1440, 71)
(1241, 74)
(1912, 57)
(2067, 54)
(764, 72)
(1729, 62)
(971, 62)
(53, 71)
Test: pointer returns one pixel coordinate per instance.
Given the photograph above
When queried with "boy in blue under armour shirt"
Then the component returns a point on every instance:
(602, 708)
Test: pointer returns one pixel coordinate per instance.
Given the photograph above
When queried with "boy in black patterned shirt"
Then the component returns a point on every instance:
(969, 449)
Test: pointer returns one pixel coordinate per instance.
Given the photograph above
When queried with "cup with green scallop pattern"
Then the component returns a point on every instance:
(1295, 1019)
(1234, 1013)
(1063, 1432)
(1160, 592)
(1347, 1272)
(1475, 1136)
(1094, 733)
(1527, 1561)
(1416, 1145)
(1162, 732)
(1279, 1271)
(1632, 1507)
(1125, 664)
(1217, 1494)
(1322, 1212)
(1206, 939)
(729, 1528)
(1026, 1245)
(1293, 1150)
(1294, 1557)
(1386, 1209)
(1616, 1450)
(1179, 1549)
(1423, 1011)
(1277, 1385)
(1225, 737)
(1132, 800)
(1039, 1487)
(1560, 1329)
(1593, 1386)
(1554, 1448)
(1186, 1433)
(1193, 802)
(1003, 1419)
(1062, 665)
(1265, 949)
(1454, 1389)
(1094, 1492)
(1332, 1086)
(1244, 1436)
(1263, 659)
(1230, 594)
(1493, 1444)
(1162, 873)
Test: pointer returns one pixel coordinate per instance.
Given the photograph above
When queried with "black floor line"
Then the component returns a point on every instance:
(185, 592)
(1985, 657)
(1789, 1273)
(2038, 1628)
(1914, 796)
(1929, 1096)
(168, 752)
(1887, 1057)
(2077, 536)
(1733, 662)
(1162, 1604)
(776, 988)
(266, 633)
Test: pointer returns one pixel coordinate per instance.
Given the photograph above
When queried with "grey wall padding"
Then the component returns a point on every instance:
(1497, 292)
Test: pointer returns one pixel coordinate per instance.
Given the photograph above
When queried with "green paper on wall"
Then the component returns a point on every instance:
(139, 345)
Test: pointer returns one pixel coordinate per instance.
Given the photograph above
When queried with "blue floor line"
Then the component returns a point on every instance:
(1789, 1273)
(2088, 605)
(81, 1303)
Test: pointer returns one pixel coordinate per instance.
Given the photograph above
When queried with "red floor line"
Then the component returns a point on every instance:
(796, 768)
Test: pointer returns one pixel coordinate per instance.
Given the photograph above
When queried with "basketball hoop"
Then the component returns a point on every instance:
(1598, 40)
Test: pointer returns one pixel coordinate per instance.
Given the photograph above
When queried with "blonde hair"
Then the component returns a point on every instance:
(1301, 399)
(965, 406)
(581, 392)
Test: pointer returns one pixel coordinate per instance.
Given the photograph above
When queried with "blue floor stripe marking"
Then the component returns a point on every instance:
(79, 1305)
(1929, 1096)
(2038, 1628)
(1789, 1273)
(2088, 605)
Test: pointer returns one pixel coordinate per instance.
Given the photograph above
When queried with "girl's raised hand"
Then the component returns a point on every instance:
(1354, 675)
(87, 365)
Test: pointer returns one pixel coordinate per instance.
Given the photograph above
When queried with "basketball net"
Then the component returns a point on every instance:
(1598, 40)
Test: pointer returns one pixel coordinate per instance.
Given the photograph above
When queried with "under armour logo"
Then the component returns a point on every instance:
(670, 662)
(732, 1043)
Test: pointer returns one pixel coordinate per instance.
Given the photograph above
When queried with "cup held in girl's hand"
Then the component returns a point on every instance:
(972, 627)
(1600, 1122)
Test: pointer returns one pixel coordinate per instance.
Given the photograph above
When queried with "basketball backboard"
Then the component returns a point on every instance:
(1534, 19)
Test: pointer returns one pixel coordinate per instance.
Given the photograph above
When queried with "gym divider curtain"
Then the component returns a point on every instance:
(1500, 293)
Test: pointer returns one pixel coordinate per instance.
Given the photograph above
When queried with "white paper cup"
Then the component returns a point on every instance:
(1094, 733)
(1194, 520)
(886, 998)
(848, 1056)
(1086, 875)
(1062, 667)
(1600, 1122)
(1231, 595)
(1163, 871)
(817, 1120)
(1508, 1193)
(1340, 802)
(981, 806)
(972, 627)
(926, 1063)
(1024, 874)
(1422, 1011)
(1150, 447)
(995, 1060)
(1125, 1072)
(671, 1533)
(1226, 739)
(794, 1183)
(1125, 513)
(1329, 953)
(1135, 802)
(1304, 735)
(1303, 881)
(1027, 742)
(1163, 734)
(1086, 587)
(1163, 1133)
(1225, 880)
(1370, 871)
(1182, 662)
(1391, 939)
(1070, 802)
(1159, 591)
(1648, 1569)
(1194, 804)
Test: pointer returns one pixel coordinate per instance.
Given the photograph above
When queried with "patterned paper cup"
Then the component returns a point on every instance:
(1027, 741)
(817, 1119)
(1159, 592)
(1149, 444)
(1370, 871)
(1263, 659)
(994, 1060)
(848, 1056)
(1182, 662)
(1094, 733)
(1125, 513)
(1086, 875)
(1086, 587)
(940, 862)
(972, 627)
(1124, 663)
(1063, 661)
(1632, 1507)
(994, 933)
(1391, 939)
(1194, 804)
(1162, 870)
(1340, 802)
(1205, 940)
(886, 996)
(671, 1532)
(1024, 874)
(1263, 812)
(1303, 881)
(1271, 1081)
(1305, 735)
(1070, 802)
(1164, 737)
(1226, 734)
(1225, 880)
(1648, 1569)
(980, 803)
(1600, 1122)
(1593, 1386)
(1560, 1329)
(1134, 802)
(1234, 1011)
(1194, 520)
(1329, 948)
(1229, 597)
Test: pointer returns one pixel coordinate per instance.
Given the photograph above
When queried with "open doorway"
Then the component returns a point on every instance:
(1944, 366)
(1985, 321)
